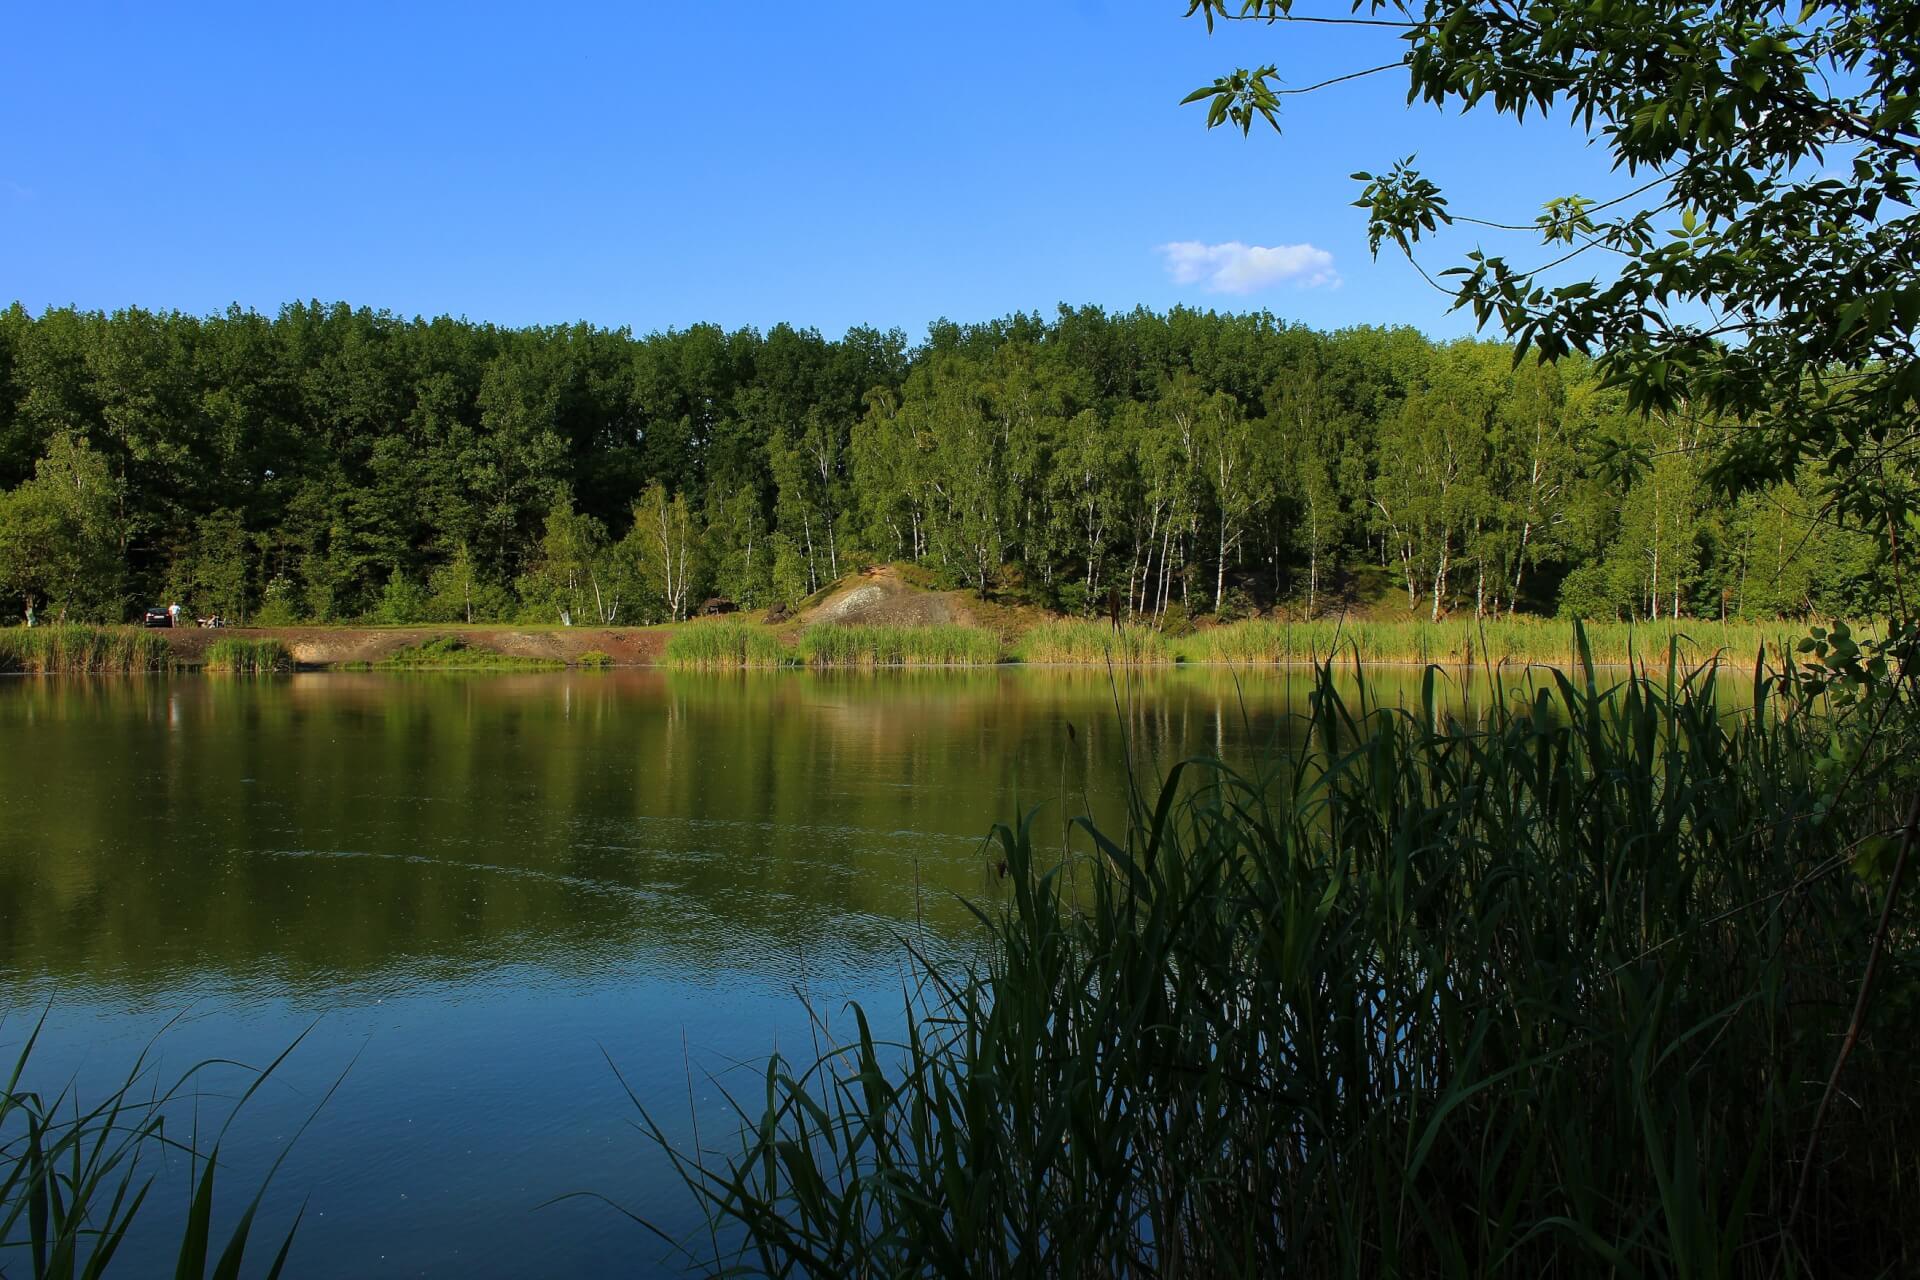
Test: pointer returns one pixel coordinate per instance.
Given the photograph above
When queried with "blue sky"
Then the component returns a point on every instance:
(653, 165)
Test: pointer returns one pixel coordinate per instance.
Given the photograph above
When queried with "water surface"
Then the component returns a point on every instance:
(479, 895)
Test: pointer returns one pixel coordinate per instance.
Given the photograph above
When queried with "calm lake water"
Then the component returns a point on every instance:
(479, 895)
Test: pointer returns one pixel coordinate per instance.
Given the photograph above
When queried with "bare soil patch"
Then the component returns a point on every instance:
(331, 646)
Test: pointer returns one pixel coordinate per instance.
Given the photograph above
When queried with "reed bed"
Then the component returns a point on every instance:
(82, 650)
(717, 645)
(75, 1173)
(1510, 641)
(243, 656)
(1096, 643)
(1553, 988)
(880, 646)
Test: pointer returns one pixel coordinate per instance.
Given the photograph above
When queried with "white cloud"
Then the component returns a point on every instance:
(1244, 268)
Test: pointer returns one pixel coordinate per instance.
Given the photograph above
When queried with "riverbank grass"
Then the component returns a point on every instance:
(884, 646)
(82, 650)
(1071, 641)
(703, 646)
(1467, 642)
(245, 656)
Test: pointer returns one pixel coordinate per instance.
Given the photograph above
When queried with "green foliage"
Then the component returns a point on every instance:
(279, 604)
(1756, 268)
(247, 656)
(217, 583)
(727, 644)
(790, 583)
(1378, 1009)
(78, 650)
(59, 548)
(402, 602)
(665, 546)
(289, 468)
(458, 592)
(594, 658)
(1235, 606)
(564, 583)
(737, 549)
(927, 646)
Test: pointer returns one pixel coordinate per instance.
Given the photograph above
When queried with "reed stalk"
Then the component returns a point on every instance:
(1550, 988)
(75, 649)
(721, 645)
(244, 656)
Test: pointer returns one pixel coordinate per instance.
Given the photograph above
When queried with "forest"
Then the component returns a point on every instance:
(340, 464)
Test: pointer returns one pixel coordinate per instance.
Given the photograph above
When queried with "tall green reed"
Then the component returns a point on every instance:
(1549, 989)
(895, 646)
(75, 1175)
(1466, 641)
(247, 656)
(727, 644)
(1096, 643)
(74, 649)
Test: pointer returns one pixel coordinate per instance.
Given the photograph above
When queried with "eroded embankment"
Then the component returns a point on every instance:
(339, 646)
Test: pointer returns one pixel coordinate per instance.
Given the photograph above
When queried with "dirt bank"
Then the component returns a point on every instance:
(330, 646)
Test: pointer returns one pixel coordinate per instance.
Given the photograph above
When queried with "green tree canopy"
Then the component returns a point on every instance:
(1759, 265)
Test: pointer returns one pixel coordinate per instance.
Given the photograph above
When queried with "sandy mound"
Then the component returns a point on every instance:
(879, 598)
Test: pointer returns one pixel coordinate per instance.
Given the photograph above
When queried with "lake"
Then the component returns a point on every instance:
(478, 896)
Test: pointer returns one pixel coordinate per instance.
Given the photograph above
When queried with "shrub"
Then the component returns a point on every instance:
(1237, 605)
(402, 601)
(279, 605)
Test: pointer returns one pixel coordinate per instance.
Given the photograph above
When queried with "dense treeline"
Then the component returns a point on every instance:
(331, 464)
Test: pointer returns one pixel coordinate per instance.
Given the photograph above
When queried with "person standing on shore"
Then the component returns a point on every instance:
(173, 614)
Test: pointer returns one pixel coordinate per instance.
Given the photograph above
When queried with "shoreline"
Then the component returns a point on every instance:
(1452, 646)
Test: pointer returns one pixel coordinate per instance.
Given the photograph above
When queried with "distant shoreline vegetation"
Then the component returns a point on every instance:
(728, 644)
(333, 465)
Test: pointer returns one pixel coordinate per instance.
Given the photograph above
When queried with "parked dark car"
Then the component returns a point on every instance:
(159, 617)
